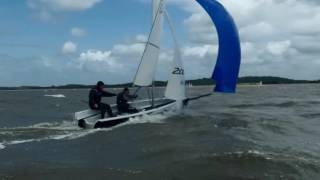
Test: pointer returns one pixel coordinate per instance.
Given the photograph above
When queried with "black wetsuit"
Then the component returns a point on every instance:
(95, 103)
(122, 103)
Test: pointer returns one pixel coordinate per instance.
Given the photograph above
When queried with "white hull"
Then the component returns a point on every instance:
(91, 118)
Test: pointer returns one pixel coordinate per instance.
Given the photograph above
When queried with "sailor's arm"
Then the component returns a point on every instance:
(108, 94)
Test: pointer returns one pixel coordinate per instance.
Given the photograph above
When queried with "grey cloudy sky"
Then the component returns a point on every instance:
(65, 42)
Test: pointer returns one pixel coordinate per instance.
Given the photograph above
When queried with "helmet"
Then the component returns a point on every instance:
(100, 83)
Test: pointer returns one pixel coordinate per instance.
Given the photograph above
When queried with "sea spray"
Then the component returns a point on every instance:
(68, 130)
(55, 95)
(2, 146)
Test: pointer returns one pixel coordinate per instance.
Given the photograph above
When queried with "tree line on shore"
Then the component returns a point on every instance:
(196, 82)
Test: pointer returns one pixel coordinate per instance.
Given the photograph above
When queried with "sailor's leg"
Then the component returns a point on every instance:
(105, 108)
(109, 110)
(128, 109)
(122, 108)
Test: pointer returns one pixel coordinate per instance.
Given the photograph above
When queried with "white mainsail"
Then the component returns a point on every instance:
(147, 67)
(176, 84)
(155, 7)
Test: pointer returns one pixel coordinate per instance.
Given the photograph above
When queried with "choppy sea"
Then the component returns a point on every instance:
(261, 132)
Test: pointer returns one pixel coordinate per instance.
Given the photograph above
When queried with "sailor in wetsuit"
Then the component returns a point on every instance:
(95, 95)
(122, 102)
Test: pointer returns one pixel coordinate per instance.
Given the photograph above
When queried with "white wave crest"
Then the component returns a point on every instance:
(5, 132)
(2, 146)
(55, 95)
(22, 141)
(64, 125)
(154, 118)
(68, 130)
(83, 133)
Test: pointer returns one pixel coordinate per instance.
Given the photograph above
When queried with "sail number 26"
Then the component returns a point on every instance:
(178, 71)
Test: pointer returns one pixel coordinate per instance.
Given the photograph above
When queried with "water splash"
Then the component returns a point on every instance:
(55, 95)
(155, 118)
(65, 130)
(2, 146)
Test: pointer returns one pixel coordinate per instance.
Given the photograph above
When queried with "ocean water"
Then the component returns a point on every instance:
(267, 132)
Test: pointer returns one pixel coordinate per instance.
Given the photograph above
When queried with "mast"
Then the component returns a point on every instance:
(152, 93)
(155, 8)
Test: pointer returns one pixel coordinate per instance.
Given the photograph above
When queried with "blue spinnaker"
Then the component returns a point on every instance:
(229, 55)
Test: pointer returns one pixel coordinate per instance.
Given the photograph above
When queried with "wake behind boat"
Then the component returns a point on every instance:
(225, 72)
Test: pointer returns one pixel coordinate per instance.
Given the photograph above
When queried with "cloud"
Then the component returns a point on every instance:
(200, 51)
(62, 5)
(121, 59)
(274, 33)
(95, 55)
(141, 38)
(268, 40)
(278, 37)
(258, 31)
(278, 48)
(129, 49)
(78, 32)
(133, 48)
(200, 28)
(46, 10)
(99, 61)
(69, 47)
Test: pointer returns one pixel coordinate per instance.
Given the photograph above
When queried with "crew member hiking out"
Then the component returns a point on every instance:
(122, 102)
(95, 95)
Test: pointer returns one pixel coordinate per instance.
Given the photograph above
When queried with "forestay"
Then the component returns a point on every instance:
(147, 67)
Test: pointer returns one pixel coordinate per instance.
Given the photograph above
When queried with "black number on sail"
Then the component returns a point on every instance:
(178, 71)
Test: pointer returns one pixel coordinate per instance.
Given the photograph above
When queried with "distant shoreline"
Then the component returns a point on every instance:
(119, 88)
(243, 81)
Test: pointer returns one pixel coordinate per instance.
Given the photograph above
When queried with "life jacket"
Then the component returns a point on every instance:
(121, 99)
(95, 96)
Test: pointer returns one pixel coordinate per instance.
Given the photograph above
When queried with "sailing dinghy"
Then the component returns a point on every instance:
(225, 72)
